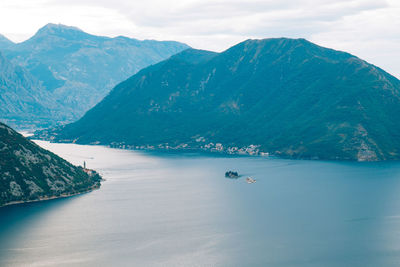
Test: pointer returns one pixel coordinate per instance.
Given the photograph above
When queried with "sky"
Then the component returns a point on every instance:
(369, 29)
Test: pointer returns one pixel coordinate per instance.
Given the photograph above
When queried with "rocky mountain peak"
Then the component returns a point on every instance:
(60, 30)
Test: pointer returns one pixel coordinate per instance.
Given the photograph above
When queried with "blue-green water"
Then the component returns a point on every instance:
(179, 210)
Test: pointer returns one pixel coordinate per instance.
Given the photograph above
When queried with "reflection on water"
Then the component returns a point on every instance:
(160, 209)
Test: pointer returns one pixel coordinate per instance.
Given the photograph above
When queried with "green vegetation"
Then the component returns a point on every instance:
(30, 173)
(290, 97)
(23, 98)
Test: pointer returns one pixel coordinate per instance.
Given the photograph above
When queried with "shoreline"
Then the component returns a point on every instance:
(246, 151)
(220, 153)
(64, 195)
(223, 153)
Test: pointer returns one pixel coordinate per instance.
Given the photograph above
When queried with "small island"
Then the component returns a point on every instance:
(231, 174)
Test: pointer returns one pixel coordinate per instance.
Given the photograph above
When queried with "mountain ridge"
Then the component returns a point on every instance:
(287, 97)
(78, 68)
(5, 42)
(22, 97)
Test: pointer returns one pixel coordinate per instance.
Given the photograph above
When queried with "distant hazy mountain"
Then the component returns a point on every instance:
(22, 97)
(289, 96)
(4, 42)
(29, 172)
(79, 69)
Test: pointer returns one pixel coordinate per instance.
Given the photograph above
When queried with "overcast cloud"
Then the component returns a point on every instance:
(369, 29)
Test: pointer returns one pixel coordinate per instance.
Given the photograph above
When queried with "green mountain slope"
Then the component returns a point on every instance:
(288, 97)
(22, 97)
(30, 173)
(78, 68)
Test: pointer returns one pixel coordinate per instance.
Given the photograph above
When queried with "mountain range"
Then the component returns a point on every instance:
(285, 97)
(78, 69)
(30, 173)
(23, 98)
(5, 42)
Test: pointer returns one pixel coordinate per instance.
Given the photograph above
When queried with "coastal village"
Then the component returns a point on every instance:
(252, 150)
(198, 143)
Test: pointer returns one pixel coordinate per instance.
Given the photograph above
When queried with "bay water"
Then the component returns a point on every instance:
(178, 209)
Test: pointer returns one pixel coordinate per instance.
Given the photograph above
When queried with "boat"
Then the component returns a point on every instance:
(250, 180)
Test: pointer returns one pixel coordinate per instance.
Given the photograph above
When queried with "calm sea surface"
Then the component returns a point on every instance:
(160, 209)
